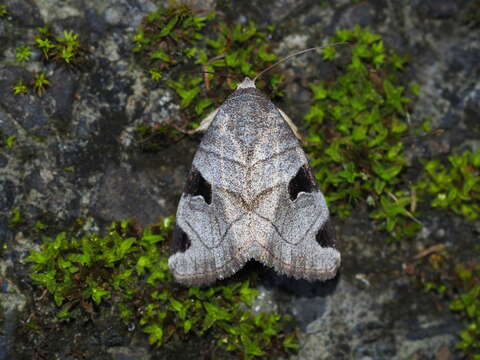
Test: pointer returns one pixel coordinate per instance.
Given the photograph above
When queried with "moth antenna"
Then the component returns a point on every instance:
(292, 55)
(204, 74)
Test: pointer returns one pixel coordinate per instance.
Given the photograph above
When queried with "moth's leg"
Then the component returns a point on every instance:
(205, 123)
(291, 124)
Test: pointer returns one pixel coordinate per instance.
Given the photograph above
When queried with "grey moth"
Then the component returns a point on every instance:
(251, 194)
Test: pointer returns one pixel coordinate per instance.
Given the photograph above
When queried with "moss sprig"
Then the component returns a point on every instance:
(66, 48)
(3, 11)
(453, 184)
(23, 53)
(20, 88)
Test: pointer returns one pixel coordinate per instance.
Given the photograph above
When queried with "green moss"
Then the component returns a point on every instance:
(65, 48)
(459, 284)
(20, 88)
(355, 128)
(40, 83)
(23, 53)
(467, 303)
(201, 57)
(127, 269)
(155, 75)
(3, 11)
(15, 217)
(8, 142)
(453, 185)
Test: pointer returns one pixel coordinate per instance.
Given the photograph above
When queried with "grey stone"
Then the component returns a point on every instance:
(117, 15)
(129, 353)
(2, 29)
(26, 109)
(24, 11)
(437, 9)
(354, 326)
(3, 161)
(138, 192)
(362, 13)
(62, 90)
(7, 194)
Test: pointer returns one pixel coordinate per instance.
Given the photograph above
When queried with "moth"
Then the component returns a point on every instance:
(251, 194)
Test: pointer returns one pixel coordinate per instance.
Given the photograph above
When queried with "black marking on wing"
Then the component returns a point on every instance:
(180, 241)
(197, 185)
(304, 181)
(326, 236)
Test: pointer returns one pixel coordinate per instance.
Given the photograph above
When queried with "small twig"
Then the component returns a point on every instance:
(206, 80)
(45, 292)
(429, 250)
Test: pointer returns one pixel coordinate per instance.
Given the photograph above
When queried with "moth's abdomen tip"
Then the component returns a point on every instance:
(246, 83)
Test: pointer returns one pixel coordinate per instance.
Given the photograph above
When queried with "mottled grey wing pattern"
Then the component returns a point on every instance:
(251, 194)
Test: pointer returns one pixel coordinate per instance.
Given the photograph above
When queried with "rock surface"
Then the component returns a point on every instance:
(74, 156)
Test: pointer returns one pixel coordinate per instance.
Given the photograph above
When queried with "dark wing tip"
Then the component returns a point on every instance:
(180, 240)
(326, 236)
(197, 185)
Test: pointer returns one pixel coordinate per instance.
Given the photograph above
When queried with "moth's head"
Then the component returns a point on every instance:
(247, 87)
(246, 83)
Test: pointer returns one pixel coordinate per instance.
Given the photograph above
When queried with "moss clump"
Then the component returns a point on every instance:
(459, 284)
(40, 83)
(20, 88)
(127, 269)
(7, 141)
(3, 11)
(15, 217)
(355, 128)
(454, 185)
(65, 49)
(467, 303)
(201, 57)
(23, 53)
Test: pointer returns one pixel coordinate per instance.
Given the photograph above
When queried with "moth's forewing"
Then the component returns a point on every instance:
(251, 194)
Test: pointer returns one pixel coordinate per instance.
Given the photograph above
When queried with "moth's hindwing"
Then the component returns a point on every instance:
(251, 194)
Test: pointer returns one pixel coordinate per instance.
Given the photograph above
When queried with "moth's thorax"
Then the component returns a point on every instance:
(250, 114)
(253, 145)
